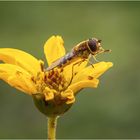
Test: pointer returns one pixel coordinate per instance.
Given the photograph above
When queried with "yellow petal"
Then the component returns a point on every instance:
(83, 84)
(90, 72)
(71, 69)
(20, 58)
(17, 77)
(54, 49)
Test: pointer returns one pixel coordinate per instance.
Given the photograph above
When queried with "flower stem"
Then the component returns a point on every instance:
(52, 122)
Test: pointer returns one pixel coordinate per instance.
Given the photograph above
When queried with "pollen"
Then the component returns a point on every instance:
(55, 79)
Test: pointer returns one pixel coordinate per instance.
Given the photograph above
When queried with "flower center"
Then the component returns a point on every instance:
(53, 79)
(53, 86)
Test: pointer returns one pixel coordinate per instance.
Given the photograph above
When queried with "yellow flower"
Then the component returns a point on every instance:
(53, 91)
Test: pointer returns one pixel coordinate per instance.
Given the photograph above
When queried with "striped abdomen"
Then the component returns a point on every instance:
(62, 61)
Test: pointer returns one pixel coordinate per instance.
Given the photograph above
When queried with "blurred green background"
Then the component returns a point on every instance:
(111, 110)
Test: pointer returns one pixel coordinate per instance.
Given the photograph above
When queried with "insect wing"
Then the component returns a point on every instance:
(55, 63)
(63, 60)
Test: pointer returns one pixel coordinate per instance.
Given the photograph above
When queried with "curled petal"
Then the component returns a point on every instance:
(17, 77)
(54, 49)
(20, 58)
(92, 72)
(83, 84)
(68, 96)
(48, 93)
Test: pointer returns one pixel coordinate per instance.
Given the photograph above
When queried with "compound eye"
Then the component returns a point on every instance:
(99, 41)
(92, 45)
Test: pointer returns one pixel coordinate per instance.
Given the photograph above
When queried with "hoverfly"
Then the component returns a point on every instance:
(83, 51)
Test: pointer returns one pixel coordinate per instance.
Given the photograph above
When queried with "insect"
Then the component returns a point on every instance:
(82, 51)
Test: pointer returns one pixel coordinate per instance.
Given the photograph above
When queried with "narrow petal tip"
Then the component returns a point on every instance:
(104, 64)
(109, 64)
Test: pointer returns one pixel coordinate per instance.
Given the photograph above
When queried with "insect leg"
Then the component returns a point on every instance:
(91, 63)
(95, 58)
(77, 63)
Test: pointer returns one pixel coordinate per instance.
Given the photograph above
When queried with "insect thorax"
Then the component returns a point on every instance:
(81, 50)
